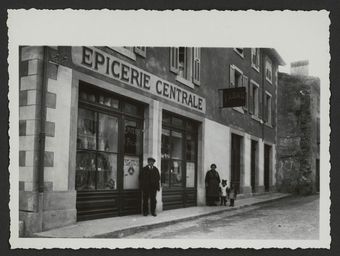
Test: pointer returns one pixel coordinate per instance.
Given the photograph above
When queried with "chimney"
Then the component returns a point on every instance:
(299, 68)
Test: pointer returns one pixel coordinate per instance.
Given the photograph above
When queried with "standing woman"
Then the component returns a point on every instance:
(212, 183)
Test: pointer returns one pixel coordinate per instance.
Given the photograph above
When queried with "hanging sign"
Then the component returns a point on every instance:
(233, 97)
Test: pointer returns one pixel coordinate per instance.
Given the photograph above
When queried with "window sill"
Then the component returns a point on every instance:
(255, 68)
(268, 80)
(256, 118)
(241, 55)
(268, 125)
(239, 109)
(125, 52)
(185, 82)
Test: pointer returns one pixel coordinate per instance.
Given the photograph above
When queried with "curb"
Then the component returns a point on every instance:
(132, 230)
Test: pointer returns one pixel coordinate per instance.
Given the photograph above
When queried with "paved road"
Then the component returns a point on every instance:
(290, 218)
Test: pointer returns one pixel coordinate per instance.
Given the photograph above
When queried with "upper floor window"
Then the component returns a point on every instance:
(185, 62)
(240, 51)
(255, 58)
(269, 70)
(268, 108)
(238, 79)
(254, 98)
(130, 52)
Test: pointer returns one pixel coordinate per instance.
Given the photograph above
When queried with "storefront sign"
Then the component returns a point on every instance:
(234, 97)
(110, 66)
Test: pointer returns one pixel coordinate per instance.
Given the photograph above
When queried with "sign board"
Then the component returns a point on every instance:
(110, 66)
(233, 97)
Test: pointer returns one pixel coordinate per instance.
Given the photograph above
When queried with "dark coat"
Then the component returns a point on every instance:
(149, 178)
(212, 181)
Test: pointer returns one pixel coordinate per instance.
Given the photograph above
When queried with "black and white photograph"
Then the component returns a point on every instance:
(131, 135)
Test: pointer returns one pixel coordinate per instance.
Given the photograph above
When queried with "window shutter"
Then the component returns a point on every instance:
(251, 100)
(196, 65)
(140, 51)
(245, 84)
(232, 77)
(260, 103)
(174, 59)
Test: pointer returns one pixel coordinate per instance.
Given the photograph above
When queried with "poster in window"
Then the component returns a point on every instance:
(190, 178)
(131, 172)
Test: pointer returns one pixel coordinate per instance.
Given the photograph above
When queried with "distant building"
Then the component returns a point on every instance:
(90, 117)
(298, 152)
(299, 68)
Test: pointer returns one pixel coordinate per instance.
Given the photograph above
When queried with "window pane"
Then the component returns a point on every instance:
(131, 109)
(176, 145)
(177, 122)
(108, 101)
(190, 149)
(85, 170)
(86, 129)
(165, 145)
(133, 138)
(176, 174)
(165, 172)
(107, 171)
(190, 179)
(166, 118)
(108, 133)
(131, 172)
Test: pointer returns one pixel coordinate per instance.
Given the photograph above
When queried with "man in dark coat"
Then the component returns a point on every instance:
(149, 184)
(212, 184)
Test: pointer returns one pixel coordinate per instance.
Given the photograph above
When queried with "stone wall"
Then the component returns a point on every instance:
(298, 111)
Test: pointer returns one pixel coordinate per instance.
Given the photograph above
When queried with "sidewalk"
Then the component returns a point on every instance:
(118, 227)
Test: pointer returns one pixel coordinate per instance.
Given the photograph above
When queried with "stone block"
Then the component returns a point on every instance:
(32, 127)
(28, 201)
(51, 100)
(59, 200)
(22, 127)
(52, 71)
(32, 52)
(22, 158)
(49, 159)
(23, 98)
(50, 129)
(27, 112)
(59, 218)
(35, 67)
(33, 97)
(32, 82)
(32, 222)
(23, 68)
(21, 185)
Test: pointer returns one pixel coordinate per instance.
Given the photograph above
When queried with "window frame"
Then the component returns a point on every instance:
(240, 54)
(140, 50)
(126, 51)
(270, 64)
(268, 112)
(253, 65)
(255, 102)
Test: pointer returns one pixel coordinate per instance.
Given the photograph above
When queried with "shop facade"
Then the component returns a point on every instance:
(90, 117)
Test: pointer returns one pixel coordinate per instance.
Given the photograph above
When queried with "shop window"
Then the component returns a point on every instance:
(185, 62)
(239, 51)
(96, 163)
(268, 109)
(179, 152)
(269, 70)
(133, 138)
(104, 99)
(255, 58)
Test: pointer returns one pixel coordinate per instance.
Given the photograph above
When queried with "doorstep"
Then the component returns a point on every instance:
(118, 227)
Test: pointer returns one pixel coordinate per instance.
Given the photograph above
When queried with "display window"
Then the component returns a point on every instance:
(178, 160)
(109, 154)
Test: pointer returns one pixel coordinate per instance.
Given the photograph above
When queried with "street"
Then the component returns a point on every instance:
(290, 218)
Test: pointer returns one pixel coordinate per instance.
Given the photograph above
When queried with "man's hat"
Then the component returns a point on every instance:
(151, 159)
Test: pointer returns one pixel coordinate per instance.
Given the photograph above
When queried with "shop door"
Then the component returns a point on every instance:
(236, 161)
(253, 166)
(108, 160)
(317, 175)
(178, 165)
(267, 150)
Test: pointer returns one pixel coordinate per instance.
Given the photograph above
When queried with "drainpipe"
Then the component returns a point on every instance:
(42, 134)
(262, 92)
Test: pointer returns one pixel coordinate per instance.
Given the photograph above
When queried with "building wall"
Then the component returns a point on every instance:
(55, 206)
(298, 113)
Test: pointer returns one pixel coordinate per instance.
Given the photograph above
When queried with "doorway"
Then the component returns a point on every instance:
(267, 163)
(236, 161)
(253, 165)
